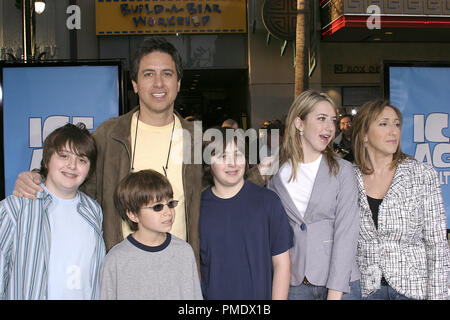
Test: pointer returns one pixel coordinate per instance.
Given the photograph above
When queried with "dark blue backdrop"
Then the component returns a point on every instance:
(422, 93)
(36, 100)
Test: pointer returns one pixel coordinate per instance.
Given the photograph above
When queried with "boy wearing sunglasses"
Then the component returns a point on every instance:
(150, 264)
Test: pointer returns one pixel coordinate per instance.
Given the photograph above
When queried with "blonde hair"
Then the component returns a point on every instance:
(291, 149)
(366, 115)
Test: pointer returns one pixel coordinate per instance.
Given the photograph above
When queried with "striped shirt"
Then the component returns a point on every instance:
(25, 245)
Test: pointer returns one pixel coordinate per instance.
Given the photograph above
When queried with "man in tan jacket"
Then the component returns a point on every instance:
(145, 138)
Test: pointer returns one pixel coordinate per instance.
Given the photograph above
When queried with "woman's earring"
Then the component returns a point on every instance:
(300, 132)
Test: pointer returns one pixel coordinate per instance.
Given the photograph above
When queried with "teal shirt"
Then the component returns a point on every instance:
(25, 245)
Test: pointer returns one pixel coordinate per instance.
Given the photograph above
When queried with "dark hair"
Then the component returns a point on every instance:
(138, 189)
(347, 115)
(275, 124)
(80, 142)
(222, 141)
(152, 44)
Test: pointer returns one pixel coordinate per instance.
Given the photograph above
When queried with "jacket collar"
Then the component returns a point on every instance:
(122, 127)
(278, 186)
(321, 177)
(394, 190)
(90, 213)
(320, 181)
(361, 190)
(398, 181)
(44, 196)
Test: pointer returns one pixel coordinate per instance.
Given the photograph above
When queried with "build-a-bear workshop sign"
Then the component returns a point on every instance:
(134, 17)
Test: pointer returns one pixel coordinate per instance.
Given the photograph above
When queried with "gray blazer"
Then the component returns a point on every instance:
(325, 239)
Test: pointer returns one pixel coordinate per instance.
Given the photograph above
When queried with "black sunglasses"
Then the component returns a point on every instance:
(158, 207)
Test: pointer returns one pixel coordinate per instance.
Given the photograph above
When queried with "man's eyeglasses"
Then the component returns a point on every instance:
(159, 206)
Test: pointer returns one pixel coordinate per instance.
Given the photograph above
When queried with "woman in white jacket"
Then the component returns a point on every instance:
(402, 248)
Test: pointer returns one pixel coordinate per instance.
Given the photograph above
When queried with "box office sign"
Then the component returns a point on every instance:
(134, 17)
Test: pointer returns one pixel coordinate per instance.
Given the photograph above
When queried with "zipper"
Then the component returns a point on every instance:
(129, 160)
(126, 148)
(185, 203)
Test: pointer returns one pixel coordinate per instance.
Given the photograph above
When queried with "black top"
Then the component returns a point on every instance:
(374, 204)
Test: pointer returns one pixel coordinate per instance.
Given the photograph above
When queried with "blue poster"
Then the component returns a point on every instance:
(37, 100)
(423, 96)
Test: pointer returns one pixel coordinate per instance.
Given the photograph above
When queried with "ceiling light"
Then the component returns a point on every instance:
(39, 6)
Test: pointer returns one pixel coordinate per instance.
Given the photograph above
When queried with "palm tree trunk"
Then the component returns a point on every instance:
(300, 48)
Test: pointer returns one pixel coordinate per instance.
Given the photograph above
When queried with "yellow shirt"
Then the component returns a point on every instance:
(152, 147)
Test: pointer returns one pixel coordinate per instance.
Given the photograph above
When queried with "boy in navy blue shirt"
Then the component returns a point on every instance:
(245, 235)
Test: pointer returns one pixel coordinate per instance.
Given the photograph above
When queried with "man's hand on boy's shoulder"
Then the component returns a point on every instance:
(27, 185)
(261, 173)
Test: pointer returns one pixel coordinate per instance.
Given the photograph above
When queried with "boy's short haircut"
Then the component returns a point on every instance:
(138, 189)
(238, 138)
(79, 140)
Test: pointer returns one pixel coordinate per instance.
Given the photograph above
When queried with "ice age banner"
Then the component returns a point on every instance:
(36, 100)
(423, 95)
